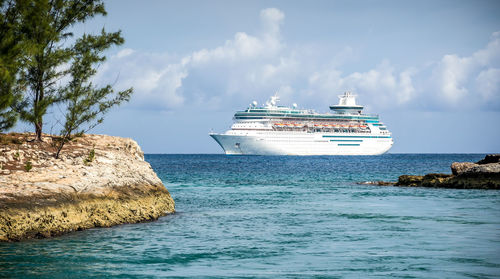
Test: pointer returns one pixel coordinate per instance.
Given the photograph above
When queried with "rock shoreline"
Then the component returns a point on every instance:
(100, 181)
(485, 174)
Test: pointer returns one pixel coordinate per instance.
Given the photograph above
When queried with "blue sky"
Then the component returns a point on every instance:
(430, 69)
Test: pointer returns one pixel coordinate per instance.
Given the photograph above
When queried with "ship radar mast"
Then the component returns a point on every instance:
(271, 103)
(347, 104)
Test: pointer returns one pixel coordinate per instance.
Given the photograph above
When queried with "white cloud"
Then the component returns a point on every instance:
(455, 75)
(488, 84)
(254, 66)
(454, 82)
(271, 19)
(452, 73)
(124, 52)
(380, 86)
(406, 90)
(243, 46)
(159, 82)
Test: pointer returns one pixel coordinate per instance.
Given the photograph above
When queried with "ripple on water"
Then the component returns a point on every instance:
(270, 217)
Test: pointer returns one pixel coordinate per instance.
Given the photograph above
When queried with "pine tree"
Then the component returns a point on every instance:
(10, 52)
(86, 103)
(46, 28)
(35, 56)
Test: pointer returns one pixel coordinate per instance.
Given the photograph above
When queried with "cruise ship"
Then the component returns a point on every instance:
(280, 130)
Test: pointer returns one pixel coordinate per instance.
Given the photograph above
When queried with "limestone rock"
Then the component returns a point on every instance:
(483, 169)
(458, 168)
(98, 181)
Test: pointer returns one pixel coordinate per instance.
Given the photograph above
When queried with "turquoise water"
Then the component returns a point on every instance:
(298, 217)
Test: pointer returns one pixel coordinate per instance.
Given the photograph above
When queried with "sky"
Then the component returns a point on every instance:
(430, 69)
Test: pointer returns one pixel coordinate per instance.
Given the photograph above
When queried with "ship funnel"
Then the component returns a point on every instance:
(347, 104)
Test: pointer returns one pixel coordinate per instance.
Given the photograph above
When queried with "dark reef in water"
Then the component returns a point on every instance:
(484, 174)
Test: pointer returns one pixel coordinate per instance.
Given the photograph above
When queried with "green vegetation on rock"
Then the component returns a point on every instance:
(28, 166)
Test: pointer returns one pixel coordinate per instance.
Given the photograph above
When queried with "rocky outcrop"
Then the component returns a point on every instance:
(490, 158)
(484, 174)
(458, 168)
(427, 180)
(490, 165)
(98, 181)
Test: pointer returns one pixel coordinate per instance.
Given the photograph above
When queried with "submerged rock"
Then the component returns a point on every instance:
(409, 180)
(99, 181)
(379, 183)
(427, 180)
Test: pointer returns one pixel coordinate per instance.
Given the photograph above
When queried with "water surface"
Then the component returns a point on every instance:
(268, 217)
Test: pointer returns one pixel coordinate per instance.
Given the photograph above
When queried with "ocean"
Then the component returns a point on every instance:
(292, 217)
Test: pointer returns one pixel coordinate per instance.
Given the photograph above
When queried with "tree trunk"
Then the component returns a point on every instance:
(38, 131)
(38, 98)
(65, 138)
(59, 148)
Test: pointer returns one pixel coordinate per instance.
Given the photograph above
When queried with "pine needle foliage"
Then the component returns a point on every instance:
(11, 47)
(42, 64)
(46, 28)
(86, 102)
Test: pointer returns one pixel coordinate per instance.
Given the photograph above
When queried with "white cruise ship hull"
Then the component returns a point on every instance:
(286, 143)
